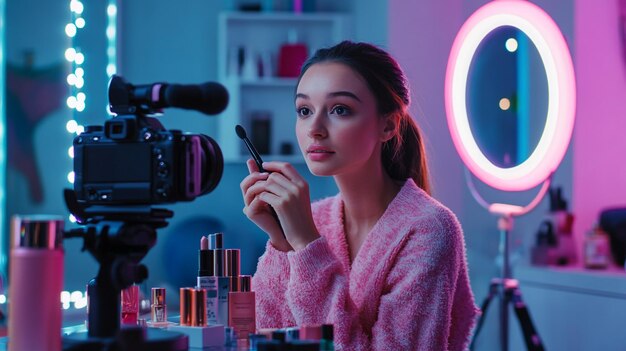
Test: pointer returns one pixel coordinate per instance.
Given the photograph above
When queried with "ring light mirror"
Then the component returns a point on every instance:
(542, 47)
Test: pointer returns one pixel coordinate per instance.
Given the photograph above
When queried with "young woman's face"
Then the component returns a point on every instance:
(338, 127)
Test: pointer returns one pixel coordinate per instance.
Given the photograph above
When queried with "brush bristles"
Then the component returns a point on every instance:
(241, 133)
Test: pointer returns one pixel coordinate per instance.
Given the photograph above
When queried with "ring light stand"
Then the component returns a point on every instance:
(539, 167)
(505, 287)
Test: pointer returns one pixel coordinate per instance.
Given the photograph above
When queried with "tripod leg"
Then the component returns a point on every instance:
(532, 339)
(493, 290)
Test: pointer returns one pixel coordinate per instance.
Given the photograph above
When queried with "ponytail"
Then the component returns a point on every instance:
(404, 155)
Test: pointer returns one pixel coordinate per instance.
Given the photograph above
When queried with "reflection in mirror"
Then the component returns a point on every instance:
(507, 96)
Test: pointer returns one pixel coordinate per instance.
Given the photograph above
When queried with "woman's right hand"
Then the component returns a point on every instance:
(259, 212)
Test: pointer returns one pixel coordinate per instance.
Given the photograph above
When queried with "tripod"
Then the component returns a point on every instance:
(119, 245)
(507, 289)
(504, 287)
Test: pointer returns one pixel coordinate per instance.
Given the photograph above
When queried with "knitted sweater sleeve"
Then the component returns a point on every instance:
(418, 294)
(270, 286)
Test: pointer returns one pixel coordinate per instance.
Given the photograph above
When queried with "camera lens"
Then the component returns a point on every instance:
(212, 164)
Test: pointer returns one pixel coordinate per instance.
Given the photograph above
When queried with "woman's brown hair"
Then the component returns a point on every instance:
(403, 155)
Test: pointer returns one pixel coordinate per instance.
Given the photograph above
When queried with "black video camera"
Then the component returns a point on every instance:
(134, 160)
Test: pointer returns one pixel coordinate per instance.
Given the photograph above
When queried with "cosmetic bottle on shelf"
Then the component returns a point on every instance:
(596, 248)
(36, 272)
(291, 56)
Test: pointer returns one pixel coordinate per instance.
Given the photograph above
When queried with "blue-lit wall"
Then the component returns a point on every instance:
(157, 41)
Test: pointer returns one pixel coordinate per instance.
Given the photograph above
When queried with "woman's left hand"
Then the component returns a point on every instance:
(288, 193)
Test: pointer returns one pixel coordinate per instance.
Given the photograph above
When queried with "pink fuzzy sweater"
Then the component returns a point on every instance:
(407, 289)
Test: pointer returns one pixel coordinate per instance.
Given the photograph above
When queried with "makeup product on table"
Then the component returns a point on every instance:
(158, 308)
(241, 308)
(232, 267)
(207, 279)
(327, 342)
(130, 305)
(36, 273)
(310, 332)
(223, 281)
(193, 320)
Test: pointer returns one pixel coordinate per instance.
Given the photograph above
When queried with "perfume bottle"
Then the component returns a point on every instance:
(158, 308)
(241, 308)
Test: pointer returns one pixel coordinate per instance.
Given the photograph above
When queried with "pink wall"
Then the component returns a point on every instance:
(599, 164)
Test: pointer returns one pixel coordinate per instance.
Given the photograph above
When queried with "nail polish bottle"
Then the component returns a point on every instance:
(158, 307)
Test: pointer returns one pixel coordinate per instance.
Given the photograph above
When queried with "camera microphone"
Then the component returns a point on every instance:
(209, 98)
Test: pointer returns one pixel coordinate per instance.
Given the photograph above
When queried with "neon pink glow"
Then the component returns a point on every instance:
(547, 38)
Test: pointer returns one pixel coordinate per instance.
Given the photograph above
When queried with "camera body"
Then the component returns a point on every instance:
(133, 160)
(129, 162)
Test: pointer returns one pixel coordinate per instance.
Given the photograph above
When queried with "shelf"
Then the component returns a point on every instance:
(282, 16)
(270, 100)
(610, 282)
(269, 82)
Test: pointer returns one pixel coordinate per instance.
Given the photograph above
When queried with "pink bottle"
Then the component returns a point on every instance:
(36, 280)
(241, 308)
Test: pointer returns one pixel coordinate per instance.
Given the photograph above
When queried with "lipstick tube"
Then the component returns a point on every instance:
(207, 280)
(216, 241)
(198, 308)
(232, 268)
(223, 286)
(36, 272)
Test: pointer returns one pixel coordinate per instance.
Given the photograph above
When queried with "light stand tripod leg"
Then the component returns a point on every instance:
(493, 291)
(531, 337)
(505, 224)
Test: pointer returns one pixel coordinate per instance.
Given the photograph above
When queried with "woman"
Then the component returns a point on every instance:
(382, 260)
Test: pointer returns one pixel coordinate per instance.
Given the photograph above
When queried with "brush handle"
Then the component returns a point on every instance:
(275, 215)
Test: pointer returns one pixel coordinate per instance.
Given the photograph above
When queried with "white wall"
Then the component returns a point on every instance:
(420, 37)
(599, 138)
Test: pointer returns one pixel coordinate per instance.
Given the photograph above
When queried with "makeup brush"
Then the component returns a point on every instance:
(241, 133)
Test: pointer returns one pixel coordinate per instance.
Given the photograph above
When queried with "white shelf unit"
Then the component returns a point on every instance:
(259, 33)
(572, 308)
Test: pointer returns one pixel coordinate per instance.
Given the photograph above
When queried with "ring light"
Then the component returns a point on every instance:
(555, 55)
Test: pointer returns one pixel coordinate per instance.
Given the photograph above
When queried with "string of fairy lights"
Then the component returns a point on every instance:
(77, 98)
